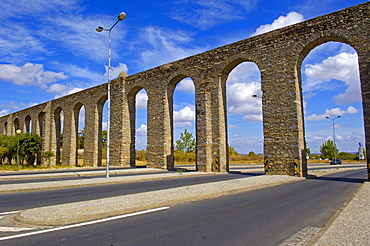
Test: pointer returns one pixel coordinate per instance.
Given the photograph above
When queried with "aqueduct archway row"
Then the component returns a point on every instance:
(278, 55)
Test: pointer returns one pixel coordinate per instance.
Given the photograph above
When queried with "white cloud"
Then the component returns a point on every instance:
(290, 19)
(343, 67)
(142, 130)
(165, 46)
(115, 71)
(186, 85)
(243, 82)
(4, 112)
(183, 117)
(21, 8)
(240, 100)
(333, 113)
(205, 14)
(62, 90)
(232, 126)
(252, 117)
(141, 100)
(29, 74)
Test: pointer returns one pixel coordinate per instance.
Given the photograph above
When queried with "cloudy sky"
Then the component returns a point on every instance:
(49, 49)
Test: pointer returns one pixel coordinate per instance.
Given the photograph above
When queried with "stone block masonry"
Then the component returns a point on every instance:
(278, 55)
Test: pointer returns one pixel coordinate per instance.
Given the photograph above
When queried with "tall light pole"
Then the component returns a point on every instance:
(333, 119)
(121, 17)
(18, 132)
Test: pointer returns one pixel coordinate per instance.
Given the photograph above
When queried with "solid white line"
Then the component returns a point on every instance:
(84, 223)
(12, 212)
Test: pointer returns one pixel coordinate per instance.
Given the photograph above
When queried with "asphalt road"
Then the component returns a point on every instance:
(26, 200)
(262, 217)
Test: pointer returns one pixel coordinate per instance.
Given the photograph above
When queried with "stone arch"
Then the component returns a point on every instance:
(242, 109)
(131, 100)
(75, 130)
(100, 108)
(41, 120)
(317, 41)
(314, 42)
(5, 131)
(28, 124)
(170, 102)
(58, 130)
(16, 124)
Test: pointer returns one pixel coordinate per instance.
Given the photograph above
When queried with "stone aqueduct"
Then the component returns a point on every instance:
(278, 55)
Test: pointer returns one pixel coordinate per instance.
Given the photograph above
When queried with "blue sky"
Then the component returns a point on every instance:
(49, 49)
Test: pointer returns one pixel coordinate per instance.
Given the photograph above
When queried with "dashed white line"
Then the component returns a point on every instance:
(84, 223)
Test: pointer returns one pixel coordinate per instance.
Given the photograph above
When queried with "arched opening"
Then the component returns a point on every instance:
(138, 99)
(182, 106)
(103, 130)
(244, 116)
(41, 118)
(79, 114)
(59, 128)
(16, 125)
(28, 124)
(333, 113)
(5, 128)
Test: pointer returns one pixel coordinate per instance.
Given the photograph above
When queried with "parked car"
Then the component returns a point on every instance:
(336, 162)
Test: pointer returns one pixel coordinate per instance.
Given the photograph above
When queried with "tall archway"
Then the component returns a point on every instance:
(102, 107)
(79, 118)
(16, 125)
(244, 114)
(331, 88)
(59, 128)
(138, 126)
(28, 124)
(182, 111)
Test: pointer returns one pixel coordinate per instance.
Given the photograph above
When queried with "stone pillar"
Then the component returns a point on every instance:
(120, 135)
(159, 130)
(48, 135)
(92, 132)
(69, 156)
(284, 146)
(220, 160)
(203, 104)
(364, 65)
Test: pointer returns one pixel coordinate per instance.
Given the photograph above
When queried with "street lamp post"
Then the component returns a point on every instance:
(333, 119)
(18, 132)
(121, 17)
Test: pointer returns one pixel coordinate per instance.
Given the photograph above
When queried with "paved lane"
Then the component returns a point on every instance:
(263, 217)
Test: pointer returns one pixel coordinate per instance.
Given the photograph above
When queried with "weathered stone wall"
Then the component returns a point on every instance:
(278, 55)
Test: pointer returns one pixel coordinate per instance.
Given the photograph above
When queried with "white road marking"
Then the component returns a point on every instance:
(83, 223)
(14, 229)
(11, 212)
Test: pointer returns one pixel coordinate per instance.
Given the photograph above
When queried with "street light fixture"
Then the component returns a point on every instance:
(121, 17)
(18, 132)
(333, 119)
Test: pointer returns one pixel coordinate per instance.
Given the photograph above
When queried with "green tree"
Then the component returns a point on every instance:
(251, 154)
(81, 139)
(328, 150)
(10, 144)
(308, 152)
(29, 147)
(186, 143)
(232, 151)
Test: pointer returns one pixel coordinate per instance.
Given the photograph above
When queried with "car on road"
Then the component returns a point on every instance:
(336, 162)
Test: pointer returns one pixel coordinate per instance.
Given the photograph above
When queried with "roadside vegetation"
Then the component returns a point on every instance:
(30, 154)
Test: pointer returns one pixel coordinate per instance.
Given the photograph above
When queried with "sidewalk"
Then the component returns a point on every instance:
(352, 226)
